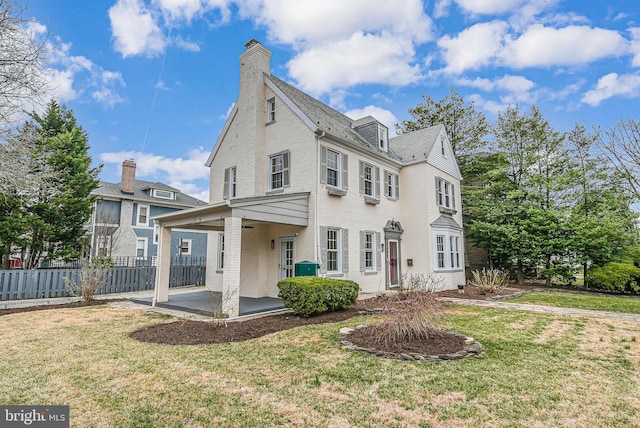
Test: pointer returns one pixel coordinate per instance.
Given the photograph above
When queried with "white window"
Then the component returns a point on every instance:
(367, 171)
(221, 251)
(333, 250)
(271, 110)
(440, 251)
(142, 218)
(279, 171)
(448, 250)
(370, 182)
(156, 233)
(454, 251)
(333, 168)
(369, 253)
(442, 147)
(141, 247)
(445, 194)
(230, 182)
(185, 247)
(164, 194)
(391, 185)
(382, 137)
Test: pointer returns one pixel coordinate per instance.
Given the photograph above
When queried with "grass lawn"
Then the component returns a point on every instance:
(629, 305)
(538, 370)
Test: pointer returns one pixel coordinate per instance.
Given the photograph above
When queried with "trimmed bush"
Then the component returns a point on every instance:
(615, 276)
(309, 295)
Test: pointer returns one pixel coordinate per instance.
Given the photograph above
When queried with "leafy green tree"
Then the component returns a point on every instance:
(58, 214)
(602, 222)
(466, 127)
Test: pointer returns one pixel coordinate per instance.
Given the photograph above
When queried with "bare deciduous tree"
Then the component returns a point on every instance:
(621, 145)
(23, 79)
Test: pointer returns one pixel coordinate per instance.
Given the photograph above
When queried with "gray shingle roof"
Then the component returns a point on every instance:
(141, 193)
(327, 119)
(415, 145)
(446, 222)
(406, 148)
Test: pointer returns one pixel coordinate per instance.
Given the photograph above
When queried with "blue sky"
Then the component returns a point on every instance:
(154, 80)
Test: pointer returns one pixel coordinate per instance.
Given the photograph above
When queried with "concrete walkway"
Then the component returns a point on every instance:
(546, 309)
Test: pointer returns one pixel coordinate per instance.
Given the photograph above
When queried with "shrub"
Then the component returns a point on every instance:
(488, 280)
(614, 276)
(421, 282)
(409, 315)
(309, 295)
(91, 281)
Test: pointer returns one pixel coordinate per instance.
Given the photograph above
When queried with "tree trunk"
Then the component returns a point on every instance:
(520, 273)
(547, 281)
(584, 275)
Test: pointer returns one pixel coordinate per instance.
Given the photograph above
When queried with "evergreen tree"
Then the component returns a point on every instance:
(59, 212)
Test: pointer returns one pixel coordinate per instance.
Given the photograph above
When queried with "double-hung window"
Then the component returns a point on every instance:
(333, 250)
(333, 168)
(142, 218)
(220, 251)
(440, 251)
(333, 171)
(185, 247)
(230, 183)
(370, 182)
(271, 110)
(141, 247)
(391, 185)
(369, 251)
(279, 171)
(445, 196)
(382, 138)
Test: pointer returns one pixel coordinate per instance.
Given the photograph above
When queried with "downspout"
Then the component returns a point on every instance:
(316, 235)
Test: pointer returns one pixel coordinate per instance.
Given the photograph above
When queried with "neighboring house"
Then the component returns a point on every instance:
(121, 224)
(294, 180)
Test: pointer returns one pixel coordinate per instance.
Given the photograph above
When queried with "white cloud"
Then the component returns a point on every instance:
(509, 83)
(135, 29)
(574, 45)
(635, 46)
(71, 76)
(488, 7)
(318, 22)
(188, 9)
(188, 174)
(360, 59)
(612, 85)
(474, 47)
(61, 82)
(441, 8)
(384, 116)
(158, 167)
(186, 45)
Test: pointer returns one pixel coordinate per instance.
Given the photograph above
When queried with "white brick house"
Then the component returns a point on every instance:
(294, 180)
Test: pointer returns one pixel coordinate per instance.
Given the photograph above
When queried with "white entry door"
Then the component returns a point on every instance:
(287, 257)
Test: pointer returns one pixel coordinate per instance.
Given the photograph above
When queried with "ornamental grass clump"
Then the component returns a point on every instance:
(488, 280)
(409, 315)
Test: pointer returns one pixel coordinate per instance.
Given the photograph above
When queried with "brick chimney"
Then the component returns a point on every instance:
(128, 176)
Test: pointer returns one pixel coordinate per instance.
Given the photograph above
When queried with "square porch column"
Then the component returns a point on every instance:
(232, 263)
(163, 267)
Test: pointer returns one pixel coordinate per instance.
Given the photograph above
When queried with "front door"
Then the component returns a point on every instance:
(287, 257)
(393, 264)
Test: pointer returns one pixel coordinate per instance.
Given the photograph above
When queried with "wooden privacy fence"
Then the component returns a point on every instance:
(39, 283)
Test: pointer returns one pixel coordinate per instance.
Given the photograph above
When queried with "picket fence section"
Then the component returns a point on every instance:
(39, 283)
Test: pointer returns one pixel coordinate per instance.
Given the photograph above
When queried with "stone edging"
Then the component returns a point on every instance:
(471, 349)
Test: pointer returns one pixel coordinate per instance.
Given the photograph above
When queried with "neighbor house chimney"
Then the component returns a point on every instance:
(128, 176)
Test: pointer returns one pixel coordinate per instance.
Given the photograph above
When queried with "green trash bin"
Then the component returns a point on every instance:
(306, 268)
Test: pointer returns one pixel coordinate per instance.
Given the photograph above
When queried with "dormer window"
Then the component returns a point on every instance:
(163, 194)
(382, 137)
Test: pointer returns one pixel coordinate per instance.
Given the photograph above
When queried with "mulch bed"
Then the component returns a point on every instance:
(439, 342)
